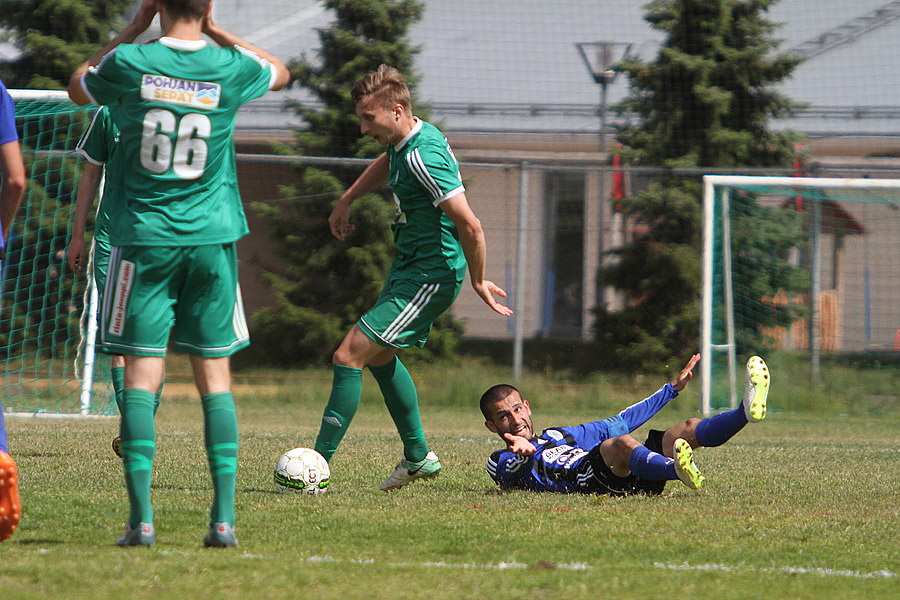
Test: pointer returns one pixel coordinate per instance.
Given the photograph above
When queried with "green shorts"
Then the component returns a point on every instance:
(100, 259)
(403, 314)
(191, 291)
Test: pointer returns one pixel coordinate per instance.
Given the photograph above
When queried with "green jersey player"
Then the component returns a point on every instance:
(437, 235)
(99, 145)
(172, 265)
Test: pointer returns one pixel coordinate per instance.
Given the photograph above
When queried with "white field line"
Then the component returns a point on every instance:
(572, 566)
(583, 566)
(786, 570)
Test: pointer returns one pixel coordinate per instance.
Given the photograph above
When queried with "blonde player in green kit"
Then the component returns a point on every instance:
(173, 265)
(437, 235)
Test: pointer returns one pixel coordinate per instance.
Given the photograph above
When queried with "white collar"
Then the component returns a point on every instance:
(418, 126)
(183, 44)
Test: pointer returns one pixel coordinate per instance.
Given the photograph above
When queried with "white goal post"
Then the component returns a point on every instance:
(47, 313)
(870, 208)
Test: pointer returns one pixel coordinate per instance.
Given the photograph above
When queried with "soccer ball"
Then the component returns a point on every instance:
(302, 470)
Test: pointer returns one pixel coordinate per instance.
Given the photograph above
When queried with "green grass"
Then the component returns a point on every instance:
(803, 505)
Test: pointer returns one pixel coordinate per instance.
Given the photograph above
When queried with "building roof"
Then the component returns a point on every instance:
(513, 65)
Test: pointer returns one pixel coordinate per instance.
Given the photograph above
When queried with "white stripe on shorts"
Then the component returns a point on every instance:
(238, 319)
(111, 267)
(411, 311)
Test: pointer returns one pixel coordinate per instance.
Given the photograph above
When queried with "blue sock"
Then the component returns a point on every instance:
(3, 444)
(639, 413)
(715, 431)
(647, 464)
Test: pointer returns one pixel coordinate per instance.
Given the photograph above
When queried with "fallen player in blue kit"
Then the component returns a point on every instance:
(602, 457)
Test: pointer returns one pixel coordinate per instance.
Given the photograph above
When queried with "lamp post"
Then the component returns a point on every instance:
(599, 58)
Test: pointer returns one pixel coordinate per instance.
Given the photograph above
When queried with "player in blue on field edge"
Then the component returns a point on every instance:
(602, 456)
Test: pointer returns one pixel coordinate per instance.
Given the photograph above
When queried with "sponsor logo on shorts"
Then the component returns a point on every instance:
(183, 92)
(124, 281)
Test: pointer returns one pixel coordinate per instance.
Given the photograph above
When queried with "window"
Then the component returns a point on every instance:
(564, 276)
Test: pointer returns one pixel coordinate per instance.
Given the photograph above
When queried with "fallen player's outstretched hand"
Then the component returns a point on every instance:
(518, 444)
(686, 373)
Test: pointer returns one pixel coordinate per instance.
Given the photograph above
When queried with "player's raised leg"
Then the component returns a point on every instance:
(346, 389)
(718, 429)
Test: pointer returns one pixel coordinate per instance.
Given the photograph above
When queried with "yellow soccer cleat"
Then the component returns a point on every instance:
(757, 389)
(685, 467)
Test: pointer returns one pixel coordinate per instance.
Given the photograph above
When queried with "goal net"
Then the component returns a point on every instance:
(807, 268)
(47, 367)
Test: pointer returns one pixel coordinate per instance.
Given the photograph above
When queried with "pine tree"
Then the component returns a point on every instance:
(327, 284)
(55, 36)
(705, 101)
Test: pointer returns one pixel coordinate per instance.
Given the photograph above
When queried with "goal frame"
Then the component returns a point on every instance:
(84, 362)
(712, 183)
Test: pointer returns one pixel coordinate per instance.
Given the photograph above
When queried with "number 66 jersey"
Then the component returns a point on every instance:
(175, 103)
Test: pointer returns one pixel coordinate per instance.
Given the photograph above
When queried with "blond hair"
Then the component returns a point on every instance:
(386, 85)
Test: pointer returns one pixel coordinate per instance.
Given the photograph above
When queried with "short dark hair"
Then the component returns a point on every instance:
(185, 8)
(494, 395)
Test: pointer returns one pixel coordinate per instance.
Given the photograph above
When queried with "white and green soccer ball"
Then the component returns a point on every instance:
(302, 470)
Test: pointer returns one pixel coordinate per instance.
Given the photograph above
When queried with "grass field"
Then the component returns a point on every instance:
(802, 505)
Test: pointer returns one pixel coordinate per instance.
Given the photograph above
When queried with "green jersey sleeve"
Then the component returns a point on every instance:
(108, 81)
(435, 168)
(97, 142)
(256, 75)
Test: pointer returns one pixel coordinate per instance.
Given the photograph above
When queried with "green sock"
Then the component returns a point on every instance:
(403, 403)
(221, 426)
(118, 381)
(158, 396)
(138, 448)
(117, 374)
(346, 388)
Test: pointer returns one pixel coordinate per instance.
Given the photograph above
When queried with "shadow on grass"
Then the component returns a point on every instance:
(41, 542)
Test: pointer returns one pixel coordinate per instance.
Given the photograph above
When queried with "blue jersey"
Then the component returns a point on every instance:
(559, 463)
(8, 133)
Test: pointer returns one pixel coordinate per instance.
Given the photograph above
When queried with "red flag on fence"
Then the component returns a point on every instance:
(798, 172)
(618, 191)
